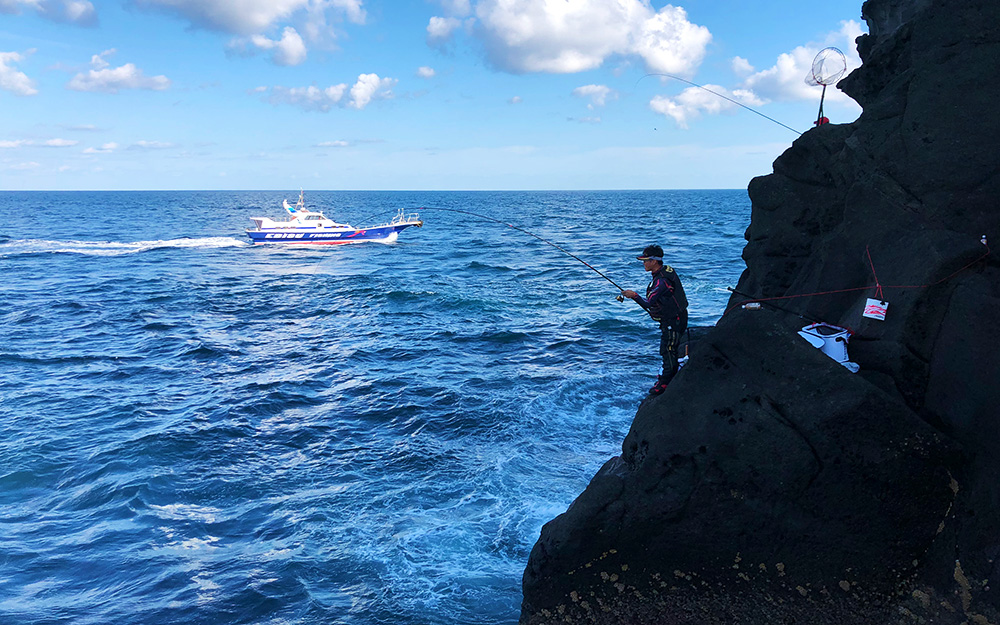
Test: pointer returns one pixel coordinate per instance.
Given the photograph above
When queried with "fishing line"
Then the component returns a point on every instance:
(531, 234)
(723, 97)
(752, 300)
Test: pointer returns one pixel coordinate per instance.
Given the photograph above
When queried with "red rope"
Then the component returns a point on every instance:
(878, 287)
(949, 276)
(769, 299)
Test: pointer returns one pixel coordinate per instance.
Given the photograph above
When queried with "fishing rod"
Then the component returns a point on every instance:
(620, 298)
(693, 84)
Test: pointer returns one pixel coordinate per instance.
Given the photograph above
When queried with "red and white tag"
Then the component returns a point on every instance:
(874, 309)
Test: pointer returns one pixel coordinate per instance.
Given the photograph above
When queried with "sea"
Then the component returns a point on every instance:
(198, 431)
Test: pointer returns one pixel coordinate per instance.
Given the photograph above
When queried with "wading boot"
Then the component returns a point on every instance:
(661, 385)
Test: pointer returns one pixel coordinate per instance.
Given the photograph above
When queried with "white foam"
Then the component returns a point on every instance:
(186, 512)
(112, 248)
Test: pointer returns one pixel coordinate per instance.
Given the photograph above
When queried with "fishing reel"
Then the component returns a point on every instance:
(620, 298)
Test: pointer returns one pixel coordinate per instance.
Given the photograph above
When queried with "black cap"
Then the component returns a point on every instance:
(654, 252)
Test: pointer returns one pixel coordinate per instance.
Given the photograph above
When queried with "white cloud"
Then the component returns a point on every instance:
(25, 166)
(310, 98)
(12, 80)
(367, 88)
(515, 100)
(60, 143)
(845, 39)
(598, 94)
(425, 72)
(333, 144)
(80, 12)
(104, 149)
(565, 37)
(694, 101)
(352, 9)
(110, 80)
(742, 67)
(668, 42)
(244, 17)
(786, 79)
(289, 50)
(127, 76)
(48, 143)
(74, 11)
(151, 145)
(98, 61)
(250, 17)
(319, 21)
(440, 29)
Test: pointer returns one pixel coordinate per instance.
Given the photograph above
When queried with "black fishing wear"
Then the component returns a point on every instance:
(665, 299)
(669, 339)
(667, 304)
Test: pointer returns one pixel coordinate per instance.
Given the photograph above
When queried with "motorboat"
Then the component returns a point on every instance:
(309, 227)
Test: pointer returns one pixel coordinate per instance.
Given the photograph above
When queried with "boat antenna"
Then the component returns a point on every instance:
(531, 234)
(693, 84)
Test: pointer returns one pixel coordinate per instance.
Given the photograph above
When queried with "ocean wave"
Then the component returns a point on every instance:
(83, 359)
(15, 247)
(479, 265)
(316, 435)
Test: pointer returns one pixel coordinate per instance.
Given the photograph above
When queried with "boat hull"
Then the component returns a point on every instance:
(326, 236)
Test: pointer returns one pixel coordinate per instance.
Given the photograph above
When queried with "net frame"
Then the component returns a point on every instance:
(828, 66)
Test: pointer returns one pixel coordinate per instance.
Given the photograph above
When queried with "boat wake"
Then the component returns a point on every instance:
(13, 247)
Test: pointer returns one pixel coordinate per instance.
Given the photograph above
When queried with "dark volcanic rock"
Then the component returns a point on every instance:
(771, 485)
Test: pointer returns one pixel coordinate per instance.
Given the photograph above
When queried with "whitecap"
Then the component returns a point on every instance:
(186, 512)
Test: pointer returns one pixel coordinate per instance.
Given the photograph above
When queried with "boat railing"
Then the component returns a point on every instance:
(403, 217)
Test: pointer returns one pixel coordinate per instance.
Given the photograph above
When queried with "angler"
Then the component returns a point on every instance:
(667, 304)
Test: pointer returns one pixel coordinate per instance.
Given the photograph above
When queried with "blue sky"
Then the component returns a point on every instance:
(423, 94)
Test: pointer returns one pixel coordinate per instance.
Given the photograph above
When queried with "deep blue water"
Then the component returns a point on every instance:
(199, 431)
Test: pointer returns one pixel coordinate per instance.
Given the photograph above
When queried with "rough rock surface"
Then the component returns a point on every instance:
(771, 485)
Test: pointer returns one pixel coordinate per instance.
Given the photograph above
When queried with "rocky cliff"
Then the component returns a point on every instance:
(771, 485)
